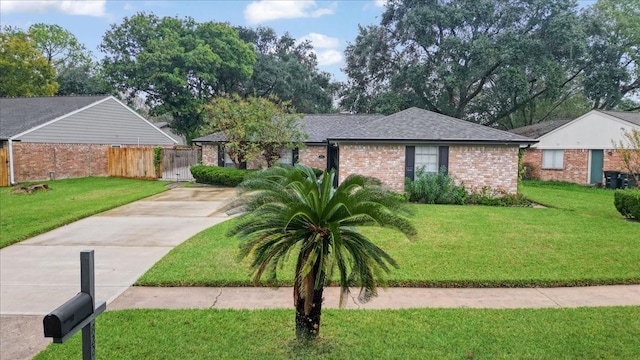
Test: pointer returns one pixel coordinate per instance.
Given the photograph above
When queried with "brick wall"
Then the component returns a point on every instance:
(310, 156)
(34, 161)
(210, 154)
(385, 162)
(575, 165)
(480, 166)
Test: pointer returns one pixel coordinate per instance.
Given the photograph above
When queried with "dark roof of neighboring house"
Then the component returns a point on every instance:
(537, 130)
(632, 117)
(416, 124)
(319, 127)
(20, 114)
(167, 129)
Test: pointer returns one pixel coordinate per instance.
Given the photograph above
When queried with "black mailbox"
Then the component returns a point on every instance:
(63, 319)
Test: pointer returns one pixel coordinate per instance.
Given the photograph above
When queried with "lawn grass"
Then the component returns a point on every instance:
(25, 215)
(580, 240)
(579, 333)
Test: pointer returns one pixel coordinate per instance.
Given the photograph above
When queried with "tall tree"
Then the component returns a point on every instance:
(24, 71)
(480, 60)
(287, 69)
(254, 127)
(292, 213)
(613, 63)
(177, 65)
(76, 72)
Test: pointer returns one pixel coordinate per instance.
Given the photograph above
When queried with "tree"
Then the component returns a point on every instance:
(177, 65)
(292, 213)
(24, 71)
(254, 127)
(629, 150)
(481, 60)
(287, 69)
(613, 64)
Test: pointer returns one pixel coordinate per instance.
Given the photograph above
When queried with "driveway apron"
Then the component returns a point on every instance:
(39, 274)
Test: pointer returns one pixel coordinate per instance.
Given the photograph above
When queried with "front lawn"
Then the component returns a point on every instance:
(579, 240)
(24, 215)
(581, 333)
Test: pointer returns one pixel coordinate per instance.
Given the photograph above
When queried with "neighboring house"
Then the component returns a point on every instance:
(391, 148)
(167, 129)
(578, 150)
(69, 136)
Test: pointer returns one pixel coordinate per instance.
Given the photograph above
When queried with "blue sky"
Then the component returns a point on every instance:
(330, 25)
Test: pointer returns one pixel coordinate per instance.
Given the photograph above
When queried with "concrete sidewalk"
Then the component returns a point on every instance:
(391, 298)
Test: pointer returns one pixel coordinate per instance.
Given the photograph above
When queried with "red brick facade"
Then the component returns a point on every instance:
(575, 165)
(40, 161)
(385, 162)
(313, 156)
(476, 167)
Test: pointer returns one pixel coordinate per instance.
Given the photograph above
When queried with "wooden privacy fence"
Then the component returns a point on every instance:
(176, 163)
(132, 163)
(4, 168)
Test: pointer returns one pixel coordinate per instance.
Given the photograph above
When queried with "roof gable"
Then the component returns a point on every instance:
(21, 114)
(628, 116)
(416, 124)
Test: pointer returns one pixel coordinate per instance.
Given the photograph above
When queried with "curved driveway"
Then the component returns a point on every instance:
(39, 274)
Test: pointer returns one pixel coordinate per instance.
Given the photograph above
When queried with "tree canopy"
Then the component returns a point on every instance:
(24, 71)
(482, 60)
(177, 65)
(254, 127)
(287, 69)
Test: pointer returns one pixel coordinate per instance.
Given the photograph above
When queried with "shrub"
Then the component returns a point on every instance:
(215, 175)
(490, 197)
(628, 203)
(429, 188)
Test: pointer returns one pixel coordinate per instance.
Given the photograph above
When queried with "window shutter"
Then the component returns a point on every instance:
(443, 157)
(295, 156)
(220, 155)
(409, 162)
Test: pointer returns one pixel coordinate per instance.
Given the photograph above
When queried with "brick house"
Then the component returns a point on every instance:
(390, 148)
(68, 136)
(578, 150)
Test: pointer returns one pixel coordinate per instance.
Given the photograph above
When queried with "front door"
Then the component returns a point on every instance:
(597, 164)
(333, 158)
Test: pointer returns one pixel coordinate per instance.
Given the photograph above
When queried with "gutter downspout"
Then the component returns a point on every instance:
(11, 176)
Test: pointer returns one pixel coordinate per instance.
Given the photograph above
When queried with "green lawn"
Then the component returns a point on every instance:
(24, 215)
(580, 239)
(582, 333)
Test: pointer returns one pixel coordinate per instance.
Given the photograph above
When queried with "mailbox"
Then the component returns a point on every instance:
(60, 321)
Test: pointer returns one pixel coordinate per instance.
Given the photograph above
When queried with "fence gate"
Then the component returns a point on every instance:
(176, 163)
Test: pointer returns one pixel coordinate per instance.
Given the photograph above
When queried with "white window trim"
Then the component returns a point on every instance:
(556, 160)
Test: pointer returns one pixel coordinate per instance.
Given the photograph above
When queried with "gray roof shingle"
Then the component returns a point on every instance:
(319, 127)
(537, 130)
(632, 117)
(416, 124)
(20, 114)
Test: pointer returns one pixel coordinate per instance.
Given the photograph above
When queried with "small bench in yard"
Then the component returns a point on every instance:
(29, 189)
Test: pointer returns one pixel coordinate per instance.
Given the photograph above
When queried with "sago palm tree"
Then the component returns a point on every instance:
(290, 212)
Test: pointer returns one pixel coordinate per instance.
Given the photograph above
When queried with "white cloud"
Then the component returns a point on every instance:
(267, 10)
(329, 57)
(380, 3)
(70, 7)
(321, 41)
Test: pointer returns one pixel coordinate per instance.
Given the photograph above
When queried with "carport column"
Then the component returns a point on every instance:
(87, 285)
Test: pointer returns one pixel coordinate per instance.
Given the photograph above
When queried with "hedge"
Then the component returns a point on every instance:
(215, 175)
(628, 203)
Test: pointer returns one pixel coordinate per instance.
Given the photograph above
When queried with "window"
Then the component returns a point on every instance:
(286, 157)
(427, 157)
(552, 159)
(227, 161)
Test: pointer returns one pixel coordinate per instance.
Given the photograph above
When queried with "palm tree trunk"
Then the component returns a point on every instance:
(308, 325)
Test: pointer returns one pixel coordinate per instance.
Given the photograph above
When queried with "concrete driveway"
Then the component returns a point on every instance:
(41, 273)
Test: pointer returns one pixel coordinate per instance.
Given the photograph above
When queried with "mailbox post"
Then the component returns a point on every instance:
(79, 312)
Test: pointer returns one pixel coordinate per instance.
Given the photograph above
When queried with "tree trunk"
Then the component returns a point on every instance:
(308, 326)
